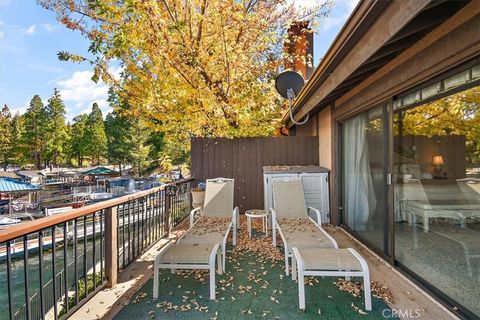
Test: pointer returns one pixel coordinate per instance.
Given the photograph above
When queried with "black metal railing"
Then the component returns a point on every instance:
(143, 221)
(46, 267)
(52, 266)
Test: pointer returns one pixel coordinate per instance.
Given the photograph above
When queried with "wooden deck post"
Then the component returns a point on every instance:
(111, 257)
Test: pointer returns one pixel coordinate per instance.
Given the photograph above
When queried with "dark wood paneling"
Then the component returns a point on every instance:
(243, 159)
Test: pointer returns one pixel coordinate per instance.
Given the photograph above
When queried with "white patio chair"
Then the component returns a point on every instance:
(290, 217)
(219, 217)
(328, 262)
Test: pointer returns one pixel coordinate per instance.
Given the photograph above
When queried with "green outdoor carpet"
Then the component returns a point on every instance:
(252, 288)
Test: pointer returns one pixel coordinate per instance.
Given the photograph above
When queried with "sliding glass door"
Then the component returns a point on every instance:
(429, 149)
(364, 176)
(437, 193)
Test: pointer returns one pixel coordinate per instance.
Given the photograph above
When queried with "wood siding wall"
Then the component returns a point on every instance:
(243, 159)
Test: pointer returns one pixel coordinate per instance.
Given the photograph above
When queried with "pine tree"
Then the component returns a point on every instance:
(18, 152)
(56, 129)
(67, 145)
(78, 139)
(156, 141)
(96, 138)
(116, 128)
(35, 133)
(6, 142)
(139, 149)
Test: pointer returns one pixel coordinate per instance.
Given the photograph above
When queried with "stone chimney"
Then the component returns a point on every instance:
(298, 49)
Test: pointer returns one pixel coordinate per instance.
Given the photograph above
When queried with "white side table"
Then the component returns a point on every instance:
(254, 214)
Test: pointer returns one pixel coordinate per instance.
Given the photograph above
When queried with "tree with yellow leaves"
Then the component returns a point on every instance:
(197, 67)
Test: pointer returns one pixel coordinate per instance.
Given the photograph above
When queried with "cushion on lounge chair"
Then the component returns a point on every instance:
(208, 238)
(288, 199)
(303, 233)
(329, 259)
(207, 225)
(297, 224)
(187, 254)
(208, 230)
(218, 198)
(316, 240)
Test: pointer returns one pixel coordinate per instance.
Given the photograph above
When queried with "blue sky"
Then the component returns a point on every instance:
(30, 38)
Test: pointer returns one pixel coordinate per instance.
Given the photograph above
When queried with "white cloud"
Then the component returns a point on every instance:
(79, 92)
(80, 87)
(49, 28)
(20, 110)
(30, 30)
(115, 71)
(55, 80)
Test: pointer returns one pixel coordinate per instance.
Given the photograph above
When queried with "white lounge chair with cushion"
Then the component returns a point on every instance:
(206, 237)
(290, 217)
(187, 256)
(219, 217)
(327, 262)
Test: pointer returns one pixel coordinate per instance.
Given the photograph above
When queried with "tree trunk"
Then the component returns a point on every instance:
(38, 161)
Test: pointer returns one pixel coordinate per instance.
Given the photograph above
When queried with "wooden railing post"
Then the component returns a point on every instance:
(111, 248)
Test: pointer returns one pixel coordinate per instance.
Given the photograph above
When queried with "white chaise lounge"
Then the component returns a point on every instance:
(206, 238)
(290, 217)
(219, 217)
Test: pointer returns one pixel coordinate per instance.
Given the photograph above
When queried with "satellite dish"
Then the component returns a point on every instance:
(288, 85)
(289, 80)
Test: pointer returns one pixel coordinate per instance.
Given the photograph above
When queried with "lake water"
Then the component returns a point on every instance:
(18, 275)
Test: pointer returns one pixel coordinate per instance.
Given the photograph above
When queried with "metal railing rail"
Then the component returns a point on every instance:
(98, 240)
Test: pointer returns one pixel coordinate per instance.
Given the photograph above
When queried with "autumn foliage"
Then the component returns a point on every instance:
(196, 67)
